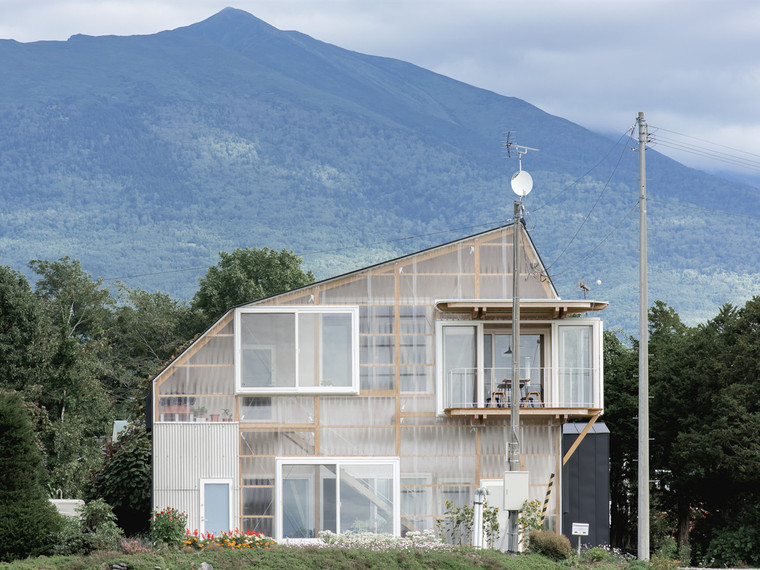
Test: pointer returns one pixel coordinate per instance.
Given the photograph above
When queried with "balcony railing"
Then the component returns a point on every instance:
(539, 388)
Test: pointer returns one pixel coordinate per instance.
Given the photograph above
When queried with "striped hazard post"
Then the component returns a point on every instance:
(546, 500)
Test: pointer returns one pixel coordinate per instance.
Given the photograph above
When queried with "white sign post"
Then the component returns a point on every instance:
(579, 530)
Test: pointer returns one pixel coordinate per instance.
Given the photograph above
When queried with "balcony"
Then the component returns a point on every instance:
(544, 391)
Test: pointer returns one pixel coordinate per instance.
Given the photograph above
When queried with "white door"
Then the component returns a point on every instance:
(216, 506)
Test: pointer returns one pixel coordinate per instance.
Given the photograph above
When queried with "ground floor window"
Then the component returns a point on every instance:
(336, 494)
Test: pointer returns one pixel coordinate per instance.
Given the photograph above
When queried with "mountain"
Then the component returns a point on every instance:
(144, 156)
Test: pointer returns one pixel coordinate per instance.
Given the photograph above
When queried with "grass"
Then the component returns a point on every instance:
(296, 558)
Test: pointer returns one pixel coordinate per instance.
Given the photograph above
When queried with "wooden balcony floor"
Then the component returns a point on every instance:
(481, 414)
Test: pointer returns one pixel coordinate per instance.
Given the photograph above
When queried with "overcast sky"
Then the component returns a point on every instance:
(692, 66)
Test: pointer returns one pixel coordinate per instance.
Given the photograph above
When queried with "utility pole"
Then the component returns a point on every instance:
(522, 184)
(643, 503)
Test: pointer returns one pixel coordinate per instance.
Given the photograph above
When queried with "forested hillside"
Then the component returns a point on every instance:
(144, 156)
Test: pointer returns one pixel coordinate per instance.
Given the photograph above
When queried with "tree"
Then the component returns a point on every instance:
(149, 329)
(246, 275)
(28, 520)
(125, 478)
(24, 343)
(621, 402)
(73, 398)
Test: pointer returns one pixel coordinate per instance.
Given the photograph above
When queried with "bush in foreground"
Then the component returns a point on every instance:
(28, 520)
(549, 544)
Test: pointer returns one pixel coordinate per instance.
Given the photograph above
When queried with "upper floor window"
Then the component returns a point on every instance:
(297, 349)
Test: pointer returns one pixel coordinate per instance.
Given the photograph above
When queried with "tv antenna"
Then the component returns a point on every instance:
(522, 182)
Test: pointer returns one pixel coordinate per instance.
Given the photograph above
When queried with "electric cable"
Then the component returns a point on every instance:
(589, 171)
(599, 197)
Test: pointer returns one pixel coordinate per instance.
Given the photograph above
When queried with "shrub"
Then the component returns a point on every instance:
(29, 521)
(550, 544)
(595, 554)
(124, 479)
(94, 529)
(168, 526)
(99, 525)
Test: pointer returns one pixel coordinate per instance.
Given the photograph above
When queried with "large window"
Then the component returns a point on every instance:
(560, 364)
(336, 494)
(296, 349)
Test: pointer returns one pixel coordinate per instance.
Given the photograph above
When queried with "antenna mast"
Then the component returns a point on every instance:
(522, 184)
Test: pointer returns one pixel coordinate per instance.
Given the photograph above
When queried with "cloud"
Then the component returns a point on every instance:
(687, 64)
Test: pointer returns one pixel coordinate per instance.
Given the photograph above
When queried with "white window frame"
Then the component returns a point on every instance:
(295, 310)
(338, 462)
(551, 388)
(597, 357)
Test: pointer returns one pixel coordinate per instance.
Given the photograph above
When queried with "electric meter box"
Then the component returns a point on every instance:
(515, 490)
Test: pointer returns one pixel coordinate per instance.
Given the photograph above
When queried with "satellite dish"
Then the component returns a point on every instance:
(522, 183)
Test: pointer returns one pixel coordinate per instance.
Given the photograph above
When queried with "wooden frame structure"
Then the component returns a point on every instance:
(441, 454)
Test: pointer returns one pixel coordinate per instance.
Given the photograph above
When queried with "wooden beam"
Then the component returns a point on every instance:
(580, 437)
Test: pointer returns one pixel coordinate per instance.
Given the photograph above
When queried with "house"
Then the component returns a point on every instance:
(368, 400)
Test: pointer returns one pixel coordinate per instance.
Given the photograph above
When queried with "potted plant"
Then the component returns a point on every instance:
(214, 417)
(200, 413)
(227, 415)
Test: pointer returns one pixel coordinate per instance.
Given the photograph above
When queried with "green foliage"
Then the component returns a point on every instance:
(705, 419)
(530, 516)
(93, 529)
(455, 527)
(168, 526)
(246, 275)
(29, 521)
(124, 480)
(594, 555)
(549, 544)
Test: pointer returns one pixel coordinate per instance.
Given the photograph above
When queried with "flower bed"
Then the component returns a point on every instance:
(234, 539)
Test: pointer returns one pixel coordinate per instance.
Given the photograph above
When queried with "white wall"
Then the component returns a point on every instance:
(185, 453)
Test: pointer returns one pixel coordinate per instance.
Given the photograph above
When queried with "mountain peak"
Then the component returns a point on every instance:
(228, 20)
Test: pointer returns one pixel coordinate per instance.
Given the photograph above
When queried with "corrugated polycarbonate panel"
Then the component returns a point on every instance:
(437, 440)
(277, 442)
(426, 288)
(214, 350)
(379, 289)
(440, 469)
(359, 442)
(185, 379)
(374, 411)
(493, 439)
(538, 438)
(185, 453)
(460, 260)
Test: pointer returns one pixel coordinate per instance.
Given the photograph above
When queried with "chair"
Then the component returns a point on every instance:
(497, 399)
(533, 400)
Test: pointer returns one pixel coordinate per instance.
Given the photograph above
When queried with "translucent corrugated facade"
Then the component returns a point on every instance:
(391, 412)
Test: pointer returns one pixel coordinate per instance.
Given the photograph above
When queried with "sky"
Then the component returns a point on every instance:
(692, 66)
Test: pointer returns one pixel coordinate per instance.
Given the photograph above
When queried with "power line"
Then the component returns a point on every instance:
(748, 161)
(599, 197)
(599, 243)
(582, 176)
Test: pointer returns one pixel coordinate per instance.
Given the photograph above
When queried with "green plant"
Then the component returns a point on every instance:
(530, 518)
(235, 540)
(660, 562)
(124, 479)
(167, 526)
(456, 525)
(549, 544)
(99, 525)
(595, 554)
(29, 522)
